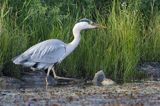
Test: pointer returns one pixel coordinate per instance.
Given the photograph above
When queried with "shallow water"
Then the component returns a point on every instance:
(133, 94)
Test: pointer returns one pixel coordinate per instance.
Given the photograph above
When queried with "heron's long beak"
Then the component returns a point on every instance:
(100, 26)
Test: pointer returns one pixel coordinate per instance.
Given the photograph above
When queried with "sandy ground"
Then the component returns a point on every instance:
(129, 94)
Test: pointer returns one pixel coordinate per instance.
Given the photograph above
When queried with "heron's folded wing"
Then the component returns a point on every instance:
(48, 54)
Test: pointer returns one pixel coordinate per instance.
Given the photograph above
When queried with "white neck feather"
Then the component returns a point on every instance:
(77, 37)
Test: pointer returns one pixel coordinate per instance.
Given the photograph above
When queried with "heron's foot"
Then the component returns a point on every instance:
(64, 78)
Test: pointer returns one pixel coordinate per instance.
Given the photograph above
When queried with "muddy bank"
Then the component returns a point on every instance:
(135, 94)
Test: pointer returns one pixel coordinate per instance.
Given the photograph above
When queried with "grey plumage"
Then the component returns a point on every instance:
(42, 55)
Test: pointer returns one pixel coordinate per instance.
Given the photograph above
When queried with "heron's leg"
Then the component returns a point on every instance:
(49, 69)
(62, 78)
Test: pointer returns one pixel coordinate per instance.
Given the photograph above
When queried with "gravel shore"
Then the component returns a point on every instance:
(129, 94)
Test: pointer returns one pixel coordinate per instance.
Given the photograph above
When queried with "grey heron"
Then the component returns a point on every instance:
(46, 54)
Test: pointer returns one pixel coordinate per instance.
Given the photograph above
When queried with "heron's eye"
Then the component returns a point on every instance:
(91, 23)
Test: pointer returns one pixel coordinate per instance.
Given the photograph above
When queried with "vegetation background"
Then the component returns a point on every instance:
(132, 35)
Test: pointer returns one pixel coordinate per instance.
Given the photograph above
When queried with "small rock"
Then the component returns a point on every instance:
(151, 69)
(100, 79)
(37, 78)
(9, 82)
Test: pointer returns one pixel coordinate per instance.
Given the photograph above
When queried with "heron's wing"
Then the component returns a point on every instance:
(50, 51)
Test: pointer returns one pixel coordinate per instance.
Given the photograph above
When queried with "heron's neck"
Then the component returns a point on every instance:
(72, 45)
(77, 37)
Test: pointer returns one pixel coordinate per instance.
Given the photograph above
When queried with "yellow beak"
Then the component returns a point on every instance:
(100, 26)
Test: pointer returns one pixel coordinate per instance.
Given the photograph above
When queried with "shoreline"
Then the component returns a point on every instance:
(141, 94)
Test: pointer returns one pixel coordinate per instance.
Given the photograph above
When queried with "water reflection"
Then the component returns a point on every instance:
(27, 94)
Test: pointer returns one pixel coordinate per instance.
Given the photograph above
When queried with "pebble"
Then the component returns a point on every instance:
(135, 94)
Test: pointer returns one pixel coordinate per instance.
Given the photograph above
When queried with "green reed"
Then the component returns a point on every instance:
(117, 50)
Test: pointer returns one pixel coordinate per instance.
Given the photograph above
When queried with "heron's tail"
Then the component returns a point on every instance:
(23, 60)
(18, 59)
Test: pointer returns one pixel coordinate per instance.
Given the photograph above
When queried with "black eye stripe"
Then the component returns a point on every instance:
(85, 20)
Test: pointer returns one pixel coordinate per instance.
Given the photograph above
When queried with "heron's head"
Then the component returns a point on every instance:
(87, 24)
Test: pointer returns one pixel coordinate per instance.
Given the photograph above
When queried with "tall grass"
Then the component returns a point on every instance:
(156, 33)
(117, 50)
(123, 52)
(151, 39)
